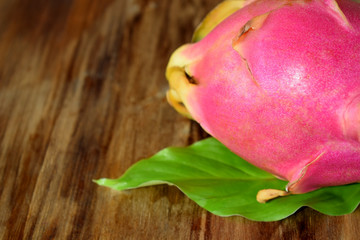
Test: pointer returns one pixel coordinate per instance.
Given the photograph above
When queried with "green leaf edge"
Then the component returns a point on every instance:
(295, 200)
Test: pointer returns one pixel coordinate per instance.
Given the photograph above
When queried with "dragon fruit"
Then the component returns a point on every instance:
(278, 83)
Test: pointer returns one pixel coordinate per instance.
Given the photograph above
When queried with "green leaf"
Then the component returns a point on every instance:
(225, 184)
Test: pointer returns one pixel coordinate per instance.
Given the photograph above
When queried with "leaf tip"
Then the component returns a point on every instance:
(100, 181)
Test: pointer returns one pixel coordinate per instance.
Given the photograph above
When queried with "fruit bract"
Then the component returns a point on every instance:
(278, 82)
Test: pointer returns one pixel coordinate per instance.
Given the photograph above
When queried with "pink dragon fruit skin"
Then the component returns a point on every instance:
(278, 83)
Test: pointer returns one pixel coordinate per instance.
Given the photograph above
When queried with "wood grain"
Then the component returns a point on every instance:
(82, 96)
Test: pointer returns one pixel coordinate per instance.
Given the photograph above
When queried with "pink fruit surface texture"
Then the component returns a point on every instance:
(278, 83)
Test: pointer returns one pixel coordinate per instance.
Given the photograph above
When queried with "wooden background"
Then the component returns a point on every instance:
(82, 96)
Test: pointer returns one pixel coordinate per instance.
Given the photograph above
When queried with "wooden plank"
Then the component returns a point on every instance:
(82, 96)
